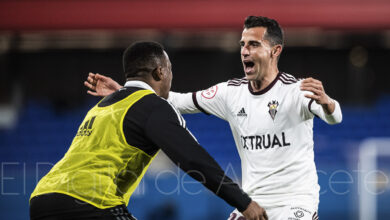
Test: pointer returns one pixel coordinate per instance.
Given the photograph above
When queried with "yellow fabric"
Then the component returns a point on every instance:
(100, 167)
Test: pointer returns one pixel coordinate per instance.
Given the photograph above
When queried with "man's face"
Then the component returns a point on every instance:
(255, 53)
(167, 80)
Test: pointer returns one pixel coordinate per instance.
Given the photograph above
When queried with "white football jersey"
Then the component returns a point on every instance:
(273, 132)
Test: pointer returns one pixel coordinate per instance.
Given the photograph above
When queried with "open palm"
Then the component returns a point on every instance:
(100, 85)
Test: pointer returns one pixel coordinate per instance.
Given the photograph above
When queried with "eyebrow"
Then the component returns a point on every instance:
(250, 42)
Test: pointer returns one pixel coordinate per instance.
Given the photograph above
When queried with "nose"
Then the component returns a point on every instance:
(244, 51)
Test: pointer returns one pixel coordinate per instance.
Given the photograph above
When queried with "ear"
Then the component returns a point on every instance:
(276, 50)
(157, 74)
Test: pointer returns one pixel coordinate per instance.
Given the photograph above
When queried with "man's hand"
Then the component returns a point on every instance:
(100, 85)
(315, 86)
(255, 212)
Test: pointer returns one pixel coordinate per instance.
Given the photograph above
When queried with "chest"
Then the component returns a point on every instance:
(272, 112)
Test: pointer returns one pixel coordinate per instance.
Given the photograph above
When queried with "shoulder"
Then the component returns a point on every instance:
(154, 102)
(117, 96)
(288, 79)
(149, 104)
(164, 111)
(236, 82)
(290, 82)
(153, 106)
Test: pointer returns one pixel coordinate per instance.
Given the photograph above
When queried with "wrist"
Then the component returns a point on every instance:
(117, 87)
(245, 203)
(329, 106)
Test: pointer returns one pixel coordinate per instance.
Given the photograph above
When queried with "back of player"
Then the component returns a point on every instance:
(133, 124)
(111, 152)
(100, 167)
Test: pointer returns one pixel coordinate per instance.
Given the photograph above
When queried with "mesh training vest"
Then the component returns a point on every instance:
(100, 168)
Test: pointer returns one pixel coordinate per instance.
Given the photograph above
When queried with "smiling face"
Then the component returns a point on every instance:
(256, 53)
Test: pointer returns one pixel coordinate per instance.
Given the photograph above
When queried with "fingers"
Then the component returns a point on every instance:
(92, 79)
(91, 75)
(317, 86)
(265, 215)
(314, 85)
(315, 97)
(312, 89)
(101, 77)
(311, 80)
(89, 85)
(92, 93)
(98, 76)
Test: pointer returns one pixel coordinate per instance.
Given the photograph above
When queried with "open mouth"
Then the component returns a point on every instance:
(248, 66)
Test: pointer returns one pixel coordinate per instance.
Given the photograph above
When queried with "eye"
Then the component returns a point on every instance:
(255, 44)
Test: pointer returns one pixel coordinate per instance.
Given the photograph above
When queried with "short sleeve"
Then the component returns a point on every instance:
(212, 100)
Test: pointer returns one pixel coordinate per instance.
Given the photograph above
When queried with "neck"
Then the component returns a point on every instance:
(150, 82)
(266, 80)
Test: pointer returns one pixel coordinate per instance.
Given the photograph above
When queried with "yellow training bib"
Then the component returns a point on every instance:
(100, 167)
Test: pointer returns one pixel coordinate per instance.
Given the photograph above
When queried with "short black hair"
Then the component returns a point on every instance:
(142, 57)
(274, 32)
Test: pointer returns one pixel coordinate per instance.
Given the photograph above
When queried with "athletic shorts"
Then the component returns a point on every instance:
(283, 213)
(56, 206)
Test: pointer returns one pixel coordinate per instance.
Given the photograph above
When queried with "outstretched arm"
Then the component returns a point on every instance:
(100, 85)
(167, 130)
(209, 101)
(183, 102)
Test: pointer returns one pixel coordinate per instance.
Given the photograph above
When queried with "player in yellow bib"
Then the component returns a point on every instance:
(117, 141)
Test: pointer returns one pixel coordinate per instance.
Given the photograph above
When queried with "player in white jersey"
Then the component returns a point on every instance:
(271, 116)
(273, 132)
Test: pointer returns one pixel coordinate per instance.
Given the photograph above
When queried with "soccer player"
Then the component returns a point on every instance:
(117, 141)
(271, 117)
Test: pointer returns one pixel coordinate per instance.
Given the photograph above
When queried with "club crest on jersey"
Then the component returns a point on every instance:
(273, 106)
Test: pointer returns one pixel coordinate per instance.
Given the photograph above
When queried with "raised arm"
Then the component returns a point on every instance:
(100, 85)
(319, 103)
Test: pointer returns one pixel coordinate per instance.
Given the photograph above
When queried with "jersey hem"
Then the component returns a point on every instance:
(79, 198)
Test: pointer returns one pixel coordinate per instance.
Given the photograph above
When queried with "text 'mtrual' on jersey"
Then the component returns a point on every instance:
(273, 133)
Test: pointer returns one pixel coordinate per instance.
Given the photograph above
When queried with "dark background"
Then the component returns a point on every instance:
(47, 48)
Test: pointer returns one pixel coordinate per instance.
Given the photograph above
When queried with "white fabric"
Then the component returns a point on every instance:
(277, 157)
(139, 84)
(283, 213)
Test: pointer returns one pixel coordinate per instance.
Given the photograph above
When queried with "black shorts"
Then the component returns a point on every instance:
(56, 206)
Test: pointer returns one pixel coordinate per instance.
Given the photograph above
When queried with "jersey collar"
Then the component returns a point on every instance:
(140, 84)
(266, 89)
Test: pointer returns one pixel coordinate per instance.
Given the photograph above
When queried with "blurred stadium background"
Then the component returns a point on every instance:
(48, 47)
